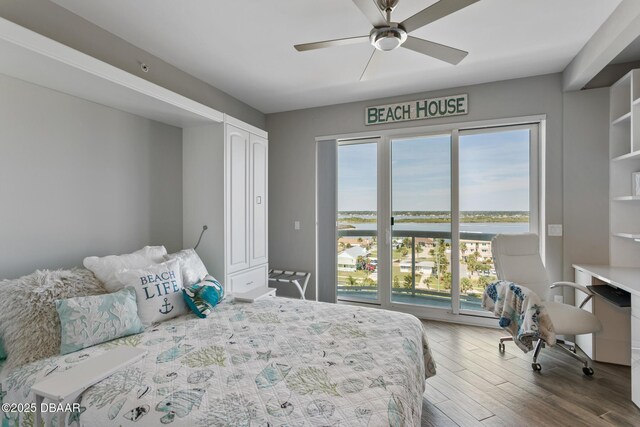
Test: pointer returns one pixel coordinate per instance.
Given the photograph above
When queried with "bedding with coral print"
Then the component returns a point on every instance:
(274, 362)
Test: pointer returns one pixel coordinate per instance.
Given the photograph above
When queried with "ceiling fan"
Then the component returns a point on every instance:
(387, 35)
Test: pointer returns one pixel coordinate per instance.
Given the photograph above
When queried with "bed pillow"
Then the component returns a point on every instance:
(29, 323)
(158, 290)
(203, 296)
(87, 321)
(193, 270)
(105, 268)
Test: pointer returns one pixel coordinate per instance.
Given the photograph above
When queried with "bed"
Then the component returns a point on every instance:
(274, 362)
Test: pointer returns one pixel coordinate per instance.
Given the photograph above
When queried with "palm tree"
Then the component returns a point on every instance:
(466, 285)
(351, 281)
(408, 281)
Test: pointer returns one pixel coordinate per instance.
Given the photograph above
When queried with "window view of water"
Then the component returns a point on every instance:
(494, 198)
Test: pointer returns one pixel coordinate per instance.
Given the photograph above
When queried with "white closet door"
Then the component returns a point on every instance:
(258, 244)
(237, 208)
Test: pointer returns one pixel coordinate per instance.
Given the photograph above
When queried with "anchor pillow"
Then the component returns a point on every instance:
(158, 291)
(203, 296)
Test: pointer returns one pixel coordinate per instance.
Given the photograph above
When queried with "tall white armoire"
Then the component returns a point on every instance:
(225, 181)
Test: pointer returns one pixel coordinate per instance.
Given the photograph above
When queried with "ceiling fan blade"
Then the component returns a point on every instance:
(372, 67)
(331, 43)
(435, 50)
(434, 12)
(372, 12)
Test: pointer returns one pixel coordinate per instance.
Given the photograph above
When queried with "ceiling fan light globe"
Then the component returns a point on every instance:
(387, 38)
(388, 43)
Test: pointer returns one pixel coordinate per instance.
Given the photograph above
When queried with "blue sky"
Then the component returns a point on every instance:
(494, 173)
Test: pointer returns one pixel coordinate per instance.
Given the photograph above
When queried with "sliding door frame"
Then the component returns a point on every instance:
(535, 195)
(383, 137)
(381, 169)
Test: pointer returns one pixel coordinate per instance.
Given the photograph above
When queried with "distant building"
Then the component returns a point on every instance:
(423, 267)
(473, 246)
(347, 259)
(355, 241)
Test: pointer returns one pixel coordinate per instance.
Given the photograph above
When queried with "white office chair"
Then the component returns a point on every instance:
(517, 259)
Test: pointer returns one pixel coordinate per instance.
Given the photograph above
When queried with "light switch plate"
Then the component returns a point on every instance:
(296, 225)
(554, 230)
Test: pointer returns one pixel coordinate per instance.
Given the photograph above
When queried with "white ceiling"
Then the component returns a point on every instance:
(245, 47)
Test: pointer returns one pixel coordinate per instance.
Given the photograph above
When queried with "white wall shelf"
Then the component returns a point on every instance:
(626, 198)
(32, 57)
(628, 156)
(624, 151)
(622, 119)
(634, 236)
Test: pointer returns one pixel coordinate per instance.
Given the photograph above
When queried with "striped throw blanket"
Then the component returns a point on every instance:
(520, 312)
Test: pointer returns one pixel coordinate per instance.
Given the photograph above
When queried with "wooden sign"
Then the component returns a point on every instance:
(431, 108)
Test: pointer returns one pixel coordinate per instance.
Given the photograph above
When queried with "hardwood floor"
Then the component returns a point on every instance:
(476, 385)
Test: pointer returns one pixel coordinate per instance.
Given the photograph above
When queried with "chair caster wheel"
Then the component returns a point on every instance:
(536, 367)
(588, 371)
(501, 348)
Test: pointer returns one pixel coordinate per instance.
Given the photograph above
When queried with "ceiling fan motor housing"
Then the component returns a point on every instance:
(388, 38)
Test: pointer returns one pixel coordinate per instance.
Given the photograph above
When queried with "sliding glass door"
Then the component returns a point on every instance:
(416, 214)
(498, 184)
(357, 249)
(421, 220)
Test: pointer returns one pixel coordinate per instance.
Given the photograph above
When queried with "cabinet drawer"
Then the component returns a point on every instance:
(248, 279)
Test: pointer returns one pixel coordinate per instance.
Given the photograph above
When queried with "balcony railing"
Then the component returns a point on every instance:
(414, 294)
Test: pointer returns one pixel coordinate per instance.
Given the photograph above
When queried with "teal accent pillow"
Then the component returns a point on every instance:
(87, 321)
(3, 353)
(203, 296)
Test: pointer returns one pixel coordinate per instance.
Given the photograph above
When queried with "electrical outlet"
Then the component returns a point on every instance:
(296, 225)
(558, 299)
(554, 230)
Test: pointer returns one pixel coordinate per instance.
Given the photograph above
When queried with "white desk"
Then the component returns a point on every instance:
(627, 279)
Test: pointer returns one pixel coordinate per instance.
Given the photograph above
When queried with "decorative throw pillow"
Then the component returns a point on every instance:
(87, 321)
(29, 323)
(158, 289)
(193, 270)
(105, 268)
(203, 296)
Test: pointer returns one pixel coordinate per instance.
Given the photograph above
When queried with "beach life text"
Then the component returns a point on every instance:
(431, 108)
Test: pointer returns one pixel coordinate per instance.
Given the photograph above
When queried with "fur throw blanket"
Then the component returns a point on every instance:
(29, 322)
(521, 313)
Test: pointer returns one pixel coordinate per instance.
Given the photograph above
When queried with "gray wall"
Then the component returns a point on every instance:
(78, 179)
(57, 23)
(292, 158)
(586, 178)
